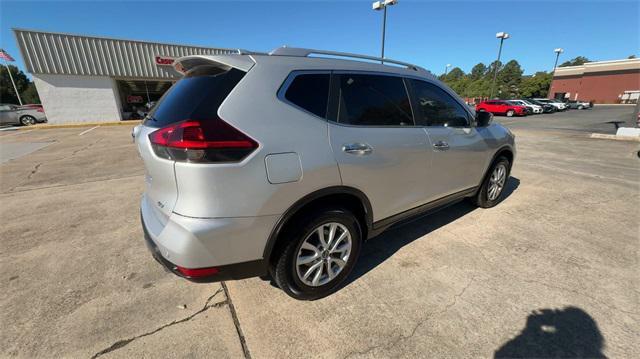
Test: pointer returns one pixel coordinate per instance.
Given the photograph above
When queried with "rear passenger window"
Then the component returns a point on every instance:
(436, 107)
(310, 92)
(373, 100)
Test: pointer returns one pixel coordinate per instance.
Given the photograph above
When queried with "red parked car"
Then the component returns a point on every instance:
(501, 107)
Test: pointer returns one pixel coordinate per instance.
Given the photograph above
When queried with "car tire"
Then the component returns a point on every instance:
(486, 198)
(510, 113)
(27, 120)
(305, 263)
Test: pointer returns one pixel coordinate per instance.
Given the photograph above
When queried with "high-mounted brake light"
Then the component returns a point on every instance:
(204, 141)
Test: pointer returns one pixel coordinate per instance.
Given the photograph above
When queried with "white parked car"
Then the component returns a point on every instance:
(532, 107)
(559, 105)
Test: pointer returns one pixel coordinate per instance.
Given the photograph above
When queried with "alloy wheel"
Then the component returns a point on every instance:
(323, 254)
(496, 182)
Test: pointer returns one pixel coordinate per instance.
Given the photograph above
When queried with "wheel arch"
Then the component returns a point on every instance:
(348, 197)
(505, 151)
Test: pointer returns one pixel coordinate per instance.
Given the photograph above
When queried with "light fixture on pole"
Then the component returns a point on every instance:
(446, 69)
(558, 51)
(502, 36)
(382, 5)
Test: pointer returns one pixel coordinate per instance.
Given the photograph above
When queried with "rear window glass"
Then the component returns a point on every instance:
(196, 96)
(310, 92)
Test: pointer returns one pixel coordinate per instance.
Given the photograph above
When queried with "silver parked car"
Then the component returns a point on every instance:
(283, 164)
(21, 115)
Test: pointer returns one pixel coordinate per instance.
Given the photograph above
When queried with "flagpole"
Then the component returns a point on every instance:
(12, 82)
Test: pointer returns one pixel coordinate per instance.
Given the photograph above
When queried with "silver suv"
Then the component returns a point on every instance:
(282, 164)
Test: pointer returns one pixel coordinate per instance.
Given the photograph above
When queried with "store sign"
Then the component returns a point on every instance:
(134, 99)
(164, 60)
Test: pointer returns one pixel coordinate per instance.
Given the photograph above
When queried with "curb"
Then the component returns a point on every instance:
(603, 136)
(81, 124)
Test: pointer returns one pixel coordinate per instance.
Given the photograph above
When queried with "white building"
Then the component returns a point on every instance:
(89, 79)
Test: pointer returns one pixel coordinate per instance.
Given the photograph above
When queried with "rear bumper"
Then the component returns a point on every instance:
(226, 272)
(234, 246)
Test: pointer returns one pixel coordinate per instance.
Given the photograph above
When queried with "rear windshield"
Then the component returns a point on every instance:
(196, 96)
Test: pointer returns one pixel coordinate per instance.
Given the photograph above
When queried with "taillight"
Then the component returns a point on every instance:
(40, 109)
(202, 141)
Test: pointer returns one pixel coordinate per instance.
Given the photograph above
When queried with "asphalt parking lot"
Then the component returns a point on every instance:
(551, 271)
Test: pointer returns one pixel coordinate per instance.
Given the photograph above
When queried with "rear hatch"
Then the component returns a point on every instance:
(183, 126)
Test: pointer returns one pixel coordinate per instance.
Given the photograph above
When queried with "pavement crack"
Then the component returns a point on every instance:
(424, 320)
(236, 322)
(33, 172)
(35, 169)
(84, 148)
(124, 342)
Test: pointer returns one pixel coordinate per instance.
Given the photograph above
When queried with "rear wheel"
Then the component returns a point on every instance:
(322, 250)
(510, 113)
(27, 120)
(490, 192)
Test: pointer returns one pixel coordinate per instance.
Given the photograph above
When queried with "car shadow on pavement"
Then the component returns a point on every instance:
(378, 249)
(556, 333)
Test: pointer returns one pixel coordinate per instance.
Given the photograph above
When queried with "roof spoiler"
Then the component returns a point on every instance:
(186, 63)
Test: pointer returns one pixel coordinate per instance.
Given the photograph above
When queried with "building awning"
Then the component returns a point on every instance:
(67, 54)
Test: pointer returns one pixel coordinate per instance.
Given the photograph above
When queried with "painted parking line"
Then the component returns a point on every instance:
(85, 131)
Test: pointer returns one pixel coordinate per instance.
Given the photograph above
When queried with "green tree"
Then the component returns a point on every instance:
(508, 81)
(631, 57)
(580, 60)
(30, 94)
(478, 72)
(25, 87)
(536, 85)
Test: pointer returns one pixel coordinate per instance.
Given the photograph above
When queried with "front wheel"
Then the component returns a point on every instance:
(490, 192)
(322, 250)
(510, 113)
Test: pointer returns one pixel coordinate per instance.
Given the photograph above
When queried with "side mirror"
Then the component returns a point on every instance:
(483, 118)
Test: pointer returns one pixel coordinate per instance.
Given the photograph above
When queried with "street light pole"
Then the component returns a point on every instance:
(502, 36)
(382, 5)
(384, 30)
(558, 51)
(446, 69)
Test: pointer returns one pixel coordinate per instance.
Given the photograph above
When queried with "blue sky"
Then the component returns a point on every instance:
(428, 33)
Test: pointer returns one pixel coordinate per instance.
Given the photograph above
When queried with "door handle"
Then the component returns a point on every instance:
(358, 149)
(441, 146)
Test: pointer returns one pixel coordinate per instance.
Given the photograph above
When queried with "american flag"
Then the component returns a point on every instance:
(5, 56)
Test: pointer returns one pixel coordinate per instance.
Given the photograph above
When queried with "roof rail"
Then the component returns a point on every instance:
(301, 52)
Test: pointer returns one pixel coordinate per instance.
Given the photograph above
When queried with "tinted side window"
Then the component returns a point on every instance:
(310, 92)
(373, 100)
(437, 107)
